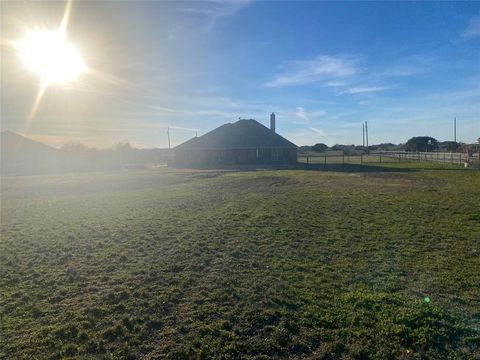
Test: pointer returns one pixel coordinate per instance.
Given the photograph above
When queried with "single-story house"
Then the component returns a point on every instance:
(245, 142)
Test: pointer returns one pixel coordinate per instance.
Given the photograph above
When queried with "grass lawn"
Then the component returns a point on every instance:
(326, 264)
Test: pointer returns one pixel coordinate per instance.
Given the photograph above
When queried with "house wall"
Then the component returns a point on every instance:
(190, 157)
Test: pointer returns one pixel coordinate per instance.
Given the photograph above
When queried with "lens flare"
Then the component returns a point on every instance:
(51, 56)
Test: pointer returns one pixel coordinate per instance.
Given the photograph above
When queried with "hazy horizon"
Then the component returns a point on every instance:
(239, 244)
(322, 67)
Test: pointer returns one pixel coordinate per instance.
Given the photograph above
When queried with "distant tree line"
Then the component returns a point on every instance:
(428, 143)
(20, 155)
(119, 156)
(115, 157)
(417, 144)
(348, 149)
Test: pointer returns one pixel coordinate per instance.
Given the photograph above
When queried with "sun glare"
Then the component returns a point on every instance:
(51, 56)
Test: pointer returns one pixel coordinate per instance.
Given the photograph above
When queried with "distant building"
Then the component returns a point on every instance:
(245, 142)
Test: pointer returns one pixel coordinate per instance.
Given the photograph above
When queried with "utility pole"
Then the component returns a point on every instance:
(168, 134)
(366, 135)
(455, 129)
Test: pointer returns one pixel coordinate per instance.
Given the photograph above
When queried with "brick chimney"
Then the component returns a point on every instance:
(272, 122)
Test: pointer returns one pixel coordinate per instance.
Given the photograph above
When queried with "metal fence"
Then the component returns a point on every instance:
(342, 159)
(459, 159)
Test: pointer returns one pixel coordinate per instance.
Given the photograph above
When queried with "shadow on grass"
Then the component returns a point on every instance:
(353, 168)
(358, 168)
(347, 168)
(378, 167)
(405, 167)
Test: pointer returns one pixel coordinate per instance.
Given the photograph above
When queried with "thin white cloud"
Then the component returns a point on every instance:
(310, 133)
(324, 68)
(343, 73)
(335, 83)
(365, 89)
(309, 136)
(306, 117)
(216, 10)
(473, 29)
(320, 132)
(302, 115)
(408, 66)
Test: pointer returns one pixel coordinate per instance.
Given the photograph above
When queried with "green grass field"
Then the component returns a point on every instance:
(260, 264)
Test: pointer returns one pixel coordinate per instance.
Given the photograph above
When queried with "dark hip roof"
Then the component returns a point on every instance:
(243, 134)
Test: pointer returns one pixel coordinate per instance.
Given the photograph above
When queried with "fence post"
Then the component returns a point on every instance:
(380, 157)
(361, 158)
(343, 159)
(308, 160)
(325, 160)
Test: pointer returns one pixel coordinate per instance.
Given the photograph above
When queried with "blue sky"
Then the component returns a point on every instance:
(408, 68)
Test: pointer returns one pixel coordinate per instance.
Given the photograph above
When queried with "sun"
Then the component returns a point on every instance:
(51, 56)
